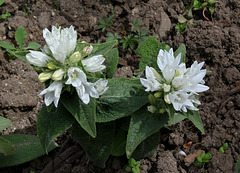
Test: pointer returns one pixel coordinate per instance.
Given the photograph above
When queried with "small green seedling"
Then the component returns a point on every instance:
(6, 15)
(223, 148)
(105, 22)
(133, 166)
(20, 51)
(237, 167)
(204, 158)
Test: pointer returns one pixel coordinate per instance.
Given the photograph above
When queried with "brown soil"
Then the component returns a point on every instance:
(216, 44)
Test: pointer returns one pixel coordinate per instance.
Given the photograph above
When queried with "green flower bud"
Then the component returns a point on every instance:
(166, 98)
(58, 75)
(42, 77)
(158, 94)
(152, 109)
(151, 99)
(75, 58)
(52, 66)
(161, 111)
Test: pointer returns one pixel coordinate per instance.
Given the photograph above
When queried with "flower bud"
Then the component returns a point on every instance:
(161, 111)
(152, 109)
(42, 77)
(166, 87)
(75, 58)
(151, 99)
(87, 50)
(156, 74)
(166, 99)
(58, 75)
(52, 66)
(158, 94)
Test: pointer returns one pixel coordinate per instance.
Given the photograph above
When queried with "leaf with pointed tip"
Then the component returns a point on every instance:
(4, 123)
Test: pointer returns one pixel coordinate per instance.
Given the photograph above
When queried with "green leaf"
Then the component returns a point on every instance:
(123, 97)
(6, 147)
(20, 36)
(171, 113)
(182, 50)
(28, 148)
(211, 2)
(211, 10)
(4, 123)
(225, 146)
(128, 168)
(147, 147)
(119, 143)
(33, 45)
(1, 2)
(111, 62)
(143, 124)
(53, 123)
(208, 156)
(20, 55)
(99, 148)
(6, 45)
(178, 117)
(221, 150)
(148, 50)
(237, 167)
(85, 114)
(196, 119)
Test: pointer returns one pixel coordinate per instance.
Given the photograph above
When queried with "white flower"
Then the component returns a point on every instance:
(180, 100)
(87, 50)
(150, 83)
(52, 93)
(61, 42)
(76, 77)
(38, 59)
(86, 90)
(75, 58)
(166, 88)
(94, 64)
(101, 86)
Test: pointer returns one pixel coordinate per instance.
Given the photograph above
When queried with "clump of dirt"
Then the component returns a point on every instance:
(215, 44)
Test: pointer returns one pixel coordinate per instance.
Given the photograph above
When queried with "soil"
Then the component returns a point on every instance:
(217, 44)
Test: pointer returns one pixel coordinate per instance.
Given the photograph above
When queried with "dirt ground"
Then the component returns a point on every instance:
(217, 44)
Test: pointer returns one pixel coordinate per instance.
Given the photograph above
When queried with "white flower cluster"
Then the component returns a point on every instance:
(64, 65)
(179, 84)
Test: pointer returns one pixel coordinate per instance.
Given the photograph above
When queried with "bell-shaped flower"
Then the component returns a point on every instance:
(38, 58)
(61, 42)
(180, 100)
(94, 64)
(52, 93)
(150, 83)
(86, 90)
(76, 77)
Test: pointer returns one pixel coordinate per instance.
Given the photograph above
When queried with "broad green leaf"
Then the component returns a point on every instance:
(111, 62)
(6, 147)
(147, 147)
(148, 51)
(33, 45)
(4, 123)
(171, 112)
(143, 124)
(119, 143)
(196, 119)
(20, 36)
(53, 123)
(178, 117)
(182, 50)
(6, 45)
(1, 2)
(28, 148)
(237, 167)
(85, 114)
(123, 97)
(99, 148)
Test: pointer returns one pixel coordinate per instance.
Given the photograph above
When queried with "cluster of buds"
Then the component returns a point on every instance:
(174, 83)
(63, 65)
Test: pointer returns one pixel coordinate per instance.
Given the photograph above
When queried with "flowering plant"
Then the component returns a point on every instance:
(113, 116)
